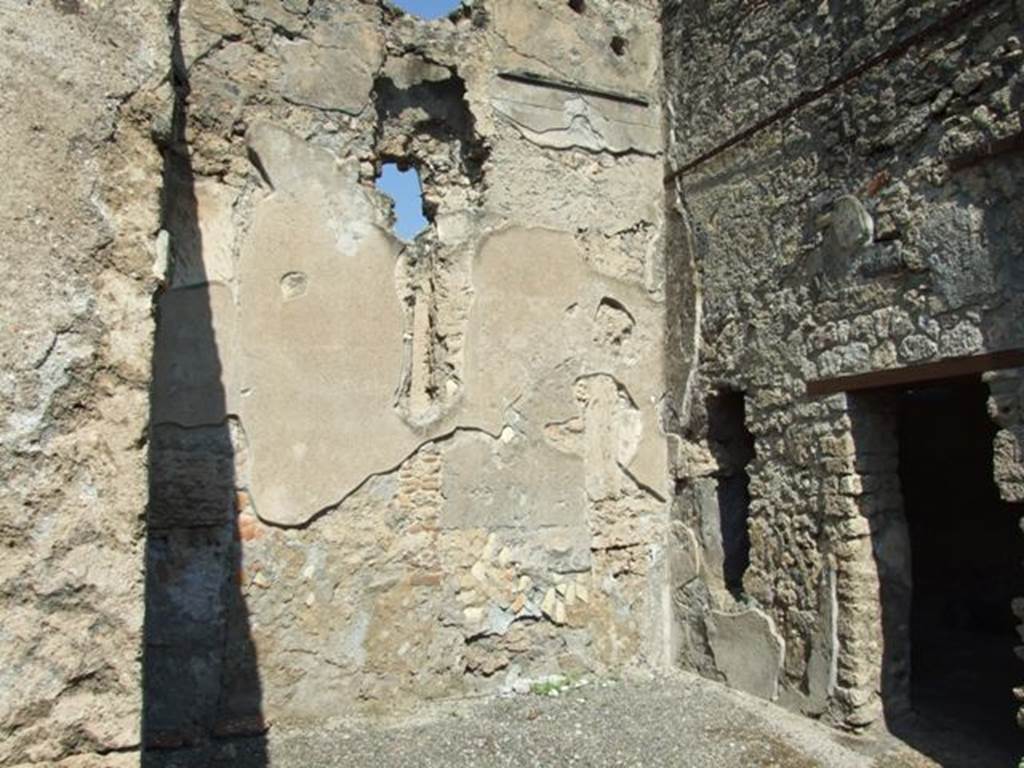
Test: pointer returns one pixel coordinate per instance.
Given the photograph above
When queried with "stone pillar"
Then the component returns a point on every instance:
(872, 556)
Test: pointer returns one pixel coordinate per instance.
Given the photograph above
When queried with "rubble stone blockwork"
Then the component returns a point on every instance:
(849, 179)
(264, 461)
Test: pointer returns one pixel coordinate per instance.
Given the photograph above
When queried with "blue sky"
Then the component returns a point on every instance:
(404, 188)
(428, 9)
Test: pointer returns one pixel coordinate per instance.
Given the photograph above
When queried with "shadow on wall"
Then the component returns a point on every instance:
(200, 674)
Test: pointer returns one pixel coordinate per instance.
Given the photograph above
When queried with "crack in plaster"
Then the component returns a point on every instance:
(329, 509)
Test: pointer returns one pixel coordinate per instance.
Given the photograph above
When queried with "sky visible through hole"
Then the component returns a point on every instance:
(428, 9)
(404, 188)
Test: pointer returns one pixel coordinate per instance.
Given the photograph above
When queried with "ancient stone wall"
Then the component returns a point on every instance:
(304, 469)
(387, 471)
(849, 177)
(84, 92)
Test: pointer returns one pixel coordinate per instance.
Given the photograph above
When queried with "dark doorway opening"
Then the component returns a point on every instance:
(965, 553)
(733, 447)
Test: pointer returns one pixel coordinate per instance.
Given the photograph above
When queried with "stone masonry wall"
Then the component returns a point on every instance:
(849, 174)
(383, 472)
(84, 90)
(302, 468)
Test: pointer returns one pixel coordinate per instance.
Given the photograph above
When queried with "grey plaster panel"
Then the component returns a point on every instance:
(322, 336)
(333, 70)
(532, 327)
(748, 651)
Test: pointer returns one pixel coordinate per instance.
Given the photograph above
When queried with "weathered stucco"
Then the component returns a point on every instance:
(264, 461)
(448, 468)
(78, 214)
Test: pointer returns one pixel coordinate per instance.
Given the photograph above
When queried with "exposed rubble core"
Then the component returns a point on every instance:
(705, 291)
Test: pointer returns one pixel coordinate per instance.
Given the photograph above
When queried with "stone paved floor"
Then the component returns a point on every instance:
(679, 721)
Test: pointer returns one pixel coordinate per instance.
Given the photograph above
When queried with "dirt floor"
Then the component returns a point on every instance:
(679, 720)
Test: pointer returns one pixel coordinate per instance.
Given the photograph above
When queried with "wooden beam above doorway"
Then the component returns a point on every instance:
(948, 368)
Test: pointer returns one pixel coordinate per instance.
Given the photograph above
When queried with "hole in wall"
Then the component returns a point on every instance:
(614, 322)
(619, 45)
(733, 447)
(406, 192)
(429, 119)
(67, 6)
(293, 285)
(428, 9)
(578, 5)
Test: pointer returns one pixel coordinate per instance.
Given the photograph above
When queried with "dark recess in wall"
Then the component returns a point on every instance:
(733, 447)
(965, 553)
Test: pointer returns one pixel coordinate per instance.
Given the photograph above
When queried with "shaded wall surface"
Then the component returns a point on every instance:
(850, 174)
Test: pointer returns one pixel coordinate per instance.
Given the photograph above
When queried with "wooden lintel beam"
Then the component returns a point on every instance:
(949, 368)
(987, 151)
